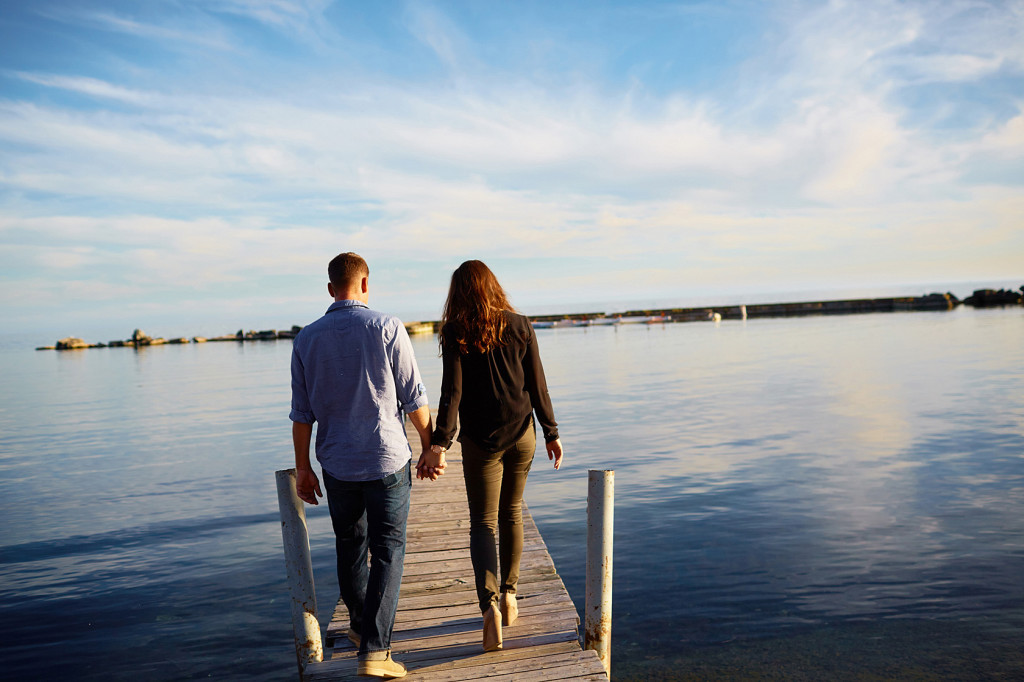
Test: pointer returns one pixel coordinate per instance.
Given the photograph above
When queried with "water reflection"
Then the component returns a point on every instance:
(792, 473)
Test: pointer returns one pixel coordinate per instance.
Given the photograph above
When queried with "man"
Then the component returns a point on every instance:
(354, 374)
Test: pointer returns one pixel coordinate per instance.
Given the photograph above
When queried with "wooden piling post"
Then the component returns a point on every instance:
(309, 646)
(600, 522)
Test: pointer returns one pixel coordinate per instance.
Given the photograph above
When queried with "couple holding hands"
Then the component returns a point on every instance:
(354, 374)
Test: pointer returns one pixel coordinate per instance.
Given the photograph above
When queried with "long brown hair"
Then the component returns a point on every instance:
(475, 308)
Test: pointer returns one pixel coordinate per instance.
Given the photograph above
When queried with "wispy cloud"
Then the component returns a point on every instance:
(434, 30)
(93, 87)
(187, 28)
(286, 15)
(301, 20)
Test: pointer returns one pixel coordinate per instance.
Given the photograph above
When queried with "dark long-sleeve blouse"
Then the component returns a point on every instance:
(493, 393)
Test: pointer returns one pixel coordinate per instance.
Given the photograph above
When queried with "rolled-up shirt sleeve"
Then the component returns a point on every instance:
(412, 394)
(301, 411)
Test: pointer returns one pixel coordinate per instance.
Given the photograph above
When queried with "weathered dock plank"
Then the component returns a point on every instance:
(438, 627)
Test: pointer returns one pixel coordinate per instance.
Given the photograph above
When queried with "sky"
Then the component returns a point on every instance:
(192, 166)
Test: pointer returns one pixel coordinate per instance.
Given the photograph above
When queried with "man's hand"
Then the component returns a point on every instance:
(431, 463)
(306, 483)
(554, 449)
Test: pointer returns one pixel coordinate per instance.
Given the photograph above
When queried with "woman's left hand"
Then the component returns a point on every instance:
(554, 449)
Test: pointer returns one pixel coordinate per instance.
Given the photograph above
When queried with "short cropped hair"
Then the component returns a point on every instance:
(347, 269)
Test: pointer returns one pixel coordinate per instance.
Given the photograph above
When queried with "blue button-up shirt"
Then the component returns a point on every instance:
(354, 374)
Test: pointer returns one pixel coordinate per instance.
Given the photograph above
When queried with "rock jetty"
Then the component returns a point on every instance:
(140, 339)
(990, 298)
(73, 343)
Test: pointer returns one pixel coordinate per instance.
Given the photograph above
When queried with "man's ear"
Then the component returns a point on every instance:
(364, 285)
(330, 290)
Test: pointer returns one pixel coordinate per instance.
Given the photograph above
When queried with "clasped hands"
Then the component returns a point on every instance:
(431, 463)
(307, 485)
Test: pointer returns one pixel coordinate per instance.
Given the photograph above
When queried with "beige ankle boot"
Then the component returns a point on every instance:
(380, 664)
(509, 608)
(492, 629)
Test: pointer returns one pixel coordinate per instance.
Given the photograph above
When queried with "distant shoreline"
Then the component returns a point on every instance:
(981, 298)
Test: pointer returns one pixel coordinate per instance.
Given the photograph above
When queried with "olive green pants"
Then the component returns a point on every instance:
(495, 482)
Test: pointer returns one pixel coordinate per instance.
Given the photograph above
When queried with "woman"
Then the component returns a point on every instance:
(493, 380)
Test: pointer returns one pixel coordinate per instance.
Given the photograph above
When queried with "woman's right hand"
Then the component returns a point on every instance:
(431, 463)
(554, 449)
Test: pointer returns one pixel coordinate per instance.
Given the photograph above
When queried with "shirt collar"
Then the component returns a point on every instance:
(347, 303)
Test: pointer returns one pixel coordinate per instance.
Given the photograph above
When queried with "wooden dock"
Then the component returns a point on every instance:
(438, 628)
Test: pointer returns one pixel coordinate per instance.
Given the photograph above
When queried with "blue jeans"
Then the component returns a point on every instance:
(370, 516)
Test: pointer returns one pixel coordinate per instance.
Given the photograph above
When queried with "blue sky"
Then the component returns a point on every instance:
(192, 166)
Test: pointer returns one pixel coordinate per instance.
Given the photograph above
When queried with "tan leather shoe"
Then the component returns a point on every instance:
(509, 608)
(492, 629)
(380, 664)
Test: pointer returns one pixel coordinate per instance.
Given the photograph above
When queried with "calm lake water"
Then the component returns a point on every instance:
(828, 497)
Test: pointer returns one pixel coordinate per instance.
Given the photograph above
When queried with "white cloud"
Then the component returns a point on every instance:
(954, 67)
(163, 253)
(1007, 139)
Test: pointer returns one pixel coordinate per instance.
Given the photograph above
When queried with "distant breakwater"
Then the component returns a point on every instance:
(981, 298)
(139, 339)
